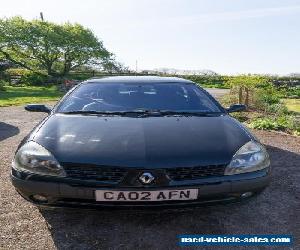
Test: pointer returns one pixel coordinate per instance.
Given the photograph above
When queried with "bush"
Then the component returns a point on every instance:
(2, 84)
(32, 78)
(268, 100)
(79, 77)
(267, 96)
(16, 71)
(277, 108)
(293, 92)
(27, 77)
(265, 124)
(216, 81)
(283, 123)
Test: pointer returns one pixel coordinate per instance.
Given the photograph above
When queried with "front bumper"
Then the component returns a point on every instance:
(62, 193)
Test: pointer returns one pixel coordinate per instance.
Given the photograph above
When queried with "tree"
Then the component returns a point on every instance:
(48, 47)
(245, 84)
(112, 66)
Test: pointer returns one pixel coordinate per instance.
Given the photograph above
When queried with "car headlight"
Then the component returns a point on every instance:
(250, 157)
(34, 158)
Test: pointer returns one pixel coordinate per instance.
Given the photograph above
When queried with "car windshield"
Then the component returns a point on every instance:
(124, 97)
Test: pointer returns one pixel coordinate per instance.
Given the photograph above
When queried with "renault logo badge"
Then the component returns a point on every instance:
(146, 178)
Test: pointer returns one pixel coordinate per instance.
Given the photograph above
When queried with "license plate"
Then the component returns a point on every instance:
(157, 195)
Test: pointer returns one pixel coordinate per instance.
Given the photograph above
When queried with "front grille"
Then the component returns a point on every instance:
(193, 173)
(116, 174)
(96, 173)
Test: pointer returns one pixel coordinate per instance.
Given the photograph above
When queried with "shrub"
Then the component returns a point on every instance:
(12, 72)
(277, 108)
(265, 124)
(293, 92)
(32, 78)
(267, 96)
(27, 77)
(2, 84)
(284, 123)
(245, 85)
(79, 77)
(208, 80)
(268, 99)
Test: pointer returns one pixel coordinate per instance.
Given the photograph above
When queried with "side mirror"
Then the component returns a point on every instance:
(236, 108)
(37, 108)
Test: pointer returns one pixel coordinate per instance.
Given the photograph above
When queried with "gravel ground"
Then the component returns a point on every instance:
(23, 226)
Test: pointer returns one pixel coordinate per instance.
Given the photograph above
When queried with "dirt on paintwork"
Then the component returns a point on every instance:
(23, 226)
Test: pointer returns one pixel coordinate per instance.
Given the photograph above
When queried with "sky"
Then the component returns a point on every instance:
(226, 36)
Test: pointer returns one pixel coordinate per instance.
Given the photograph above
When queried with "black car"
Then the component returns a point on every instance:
(138, 142)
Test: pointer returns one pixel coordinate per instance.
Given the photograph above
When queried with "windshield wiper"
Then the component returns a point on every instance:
(162, 112)
(93, 112)
(189, 113)
(88, 112)
(144, 112)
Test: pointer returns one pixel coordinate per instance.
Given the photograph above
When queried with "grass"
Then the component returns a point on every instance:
(28, 94)
(292, 104)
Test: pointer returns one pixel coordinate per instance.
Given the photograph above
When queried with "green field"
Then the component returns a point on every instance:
(292, 104)
(28, 94)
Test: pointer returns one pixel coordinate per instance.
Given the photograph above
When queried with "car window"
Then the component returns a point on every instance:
(126, 97)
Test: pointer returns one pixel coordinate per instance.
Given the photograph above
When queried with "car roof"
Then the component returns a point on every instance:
(138, 79)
